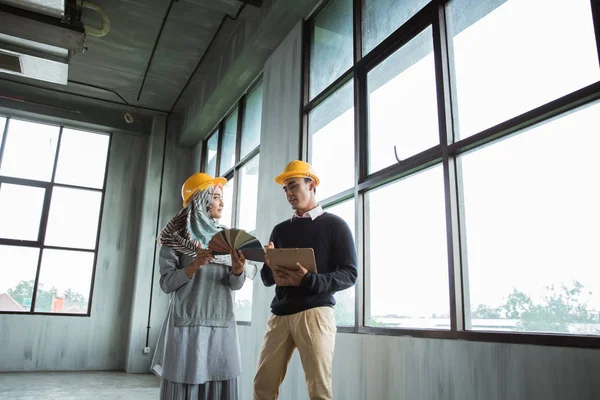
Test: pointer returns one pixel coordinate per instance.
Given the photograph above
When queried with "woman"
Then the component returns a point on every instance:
(197, 356)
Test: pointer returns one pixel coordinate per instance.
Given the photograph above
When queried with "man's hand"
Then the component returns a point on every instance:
(270, 246)
(203, 257)
(237, 262)
(288, 277)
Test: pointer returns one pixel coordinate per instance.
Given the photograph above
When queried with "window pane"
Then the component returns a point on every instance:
(20, 211)
(344, 308)
(252, 121)
(82, 158)
(210, 164)
(65, 281)
(532, 228)
(30, 150)
(228, 145)
(16, 284)
(382, 17)
(248, 195)
(402, 104)
(73, 218)
(226, 215)
(407, 254)
(243, 302)
(512, 56)
(331, 45)
(331, 126)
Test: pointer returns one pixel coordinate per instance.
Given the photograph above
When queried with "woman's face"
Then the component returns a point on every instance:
(217, 203)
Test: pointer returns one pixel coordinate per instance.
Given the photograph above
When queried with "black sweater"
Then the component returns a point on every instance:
(335, 255)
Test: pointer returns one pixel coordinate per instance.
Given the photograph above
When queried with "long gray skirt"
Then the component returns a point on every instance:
(217, 390)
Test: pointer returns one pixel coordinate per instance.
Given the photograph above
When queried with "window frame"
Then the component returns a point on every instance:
(445, 153)
(233, 173)
(49, 186)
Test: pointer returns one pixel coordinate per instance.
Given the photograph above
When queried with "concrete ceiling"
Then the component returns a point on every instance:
(118, 62)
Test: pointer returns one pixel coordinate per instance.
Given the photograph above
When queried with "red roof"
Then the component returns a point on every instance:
(7, 303)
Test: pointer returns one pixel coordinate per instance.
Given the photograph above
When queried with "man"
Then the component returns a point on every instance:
(302, 309)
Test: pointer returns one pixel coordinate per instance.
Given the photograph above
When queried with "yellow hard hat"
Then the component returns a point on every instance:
(297, 169)
(198, 181)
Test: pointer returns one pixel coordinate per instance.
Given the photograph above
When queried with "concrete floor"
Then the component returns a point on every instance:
(78, 386)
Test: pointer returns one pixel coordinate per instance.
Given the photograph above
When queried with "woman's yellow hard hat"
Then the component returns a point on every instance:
(198, 181)
(297, 169)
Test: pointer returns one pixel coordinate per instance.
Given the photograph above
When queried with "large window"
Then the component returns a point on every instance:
(235, 156)
(460, 140)
(52, 183)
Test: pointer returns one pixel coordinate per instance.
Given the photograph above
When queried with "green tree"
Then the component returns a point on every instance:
(45, 298)
(23, 290)
(562, 310)
(486, 312)
(516, 304)
(74, 299)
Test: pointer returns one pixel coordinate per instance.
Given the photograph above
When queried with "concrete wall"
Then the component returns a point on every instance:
(162, 200)
(382, 367)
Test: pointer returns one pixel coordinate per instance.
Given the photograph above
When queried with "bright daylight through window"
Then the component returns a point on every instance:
(462, 137)
(236, 157)
(51, 190)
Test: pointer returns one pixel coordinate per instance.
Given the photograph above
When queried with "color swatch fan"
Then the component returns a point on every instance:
(227, 239)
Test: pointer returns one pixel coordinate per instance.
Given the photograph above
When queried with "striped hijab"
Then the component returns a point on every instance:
(193, 227)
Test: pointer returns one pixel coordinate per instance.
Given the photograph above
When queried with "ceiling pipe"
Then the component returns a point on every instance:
(91, 30)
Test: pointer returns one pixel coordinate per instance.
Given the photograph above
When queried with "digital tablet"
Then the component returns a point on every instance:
(288, 258)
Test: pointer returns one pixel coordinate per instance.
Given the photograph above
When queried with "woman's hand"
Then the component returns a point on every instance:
(237, 262)
(203, 257)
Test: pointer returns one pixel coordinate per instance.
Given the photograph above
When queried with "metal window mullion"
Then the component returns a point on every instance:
(248, 157)
(445, 118)
(57, 153)
(18, 242)
(401, 36)
(24, 182)
(363, 298)
(239, 129)
(357, 29)
(545, 112)
(3, 142)
(41, 240)
(237, 165)
(329, 90)
(359, 75)
(339, 198)
(595, 4)
(36, 281)
(204, 156)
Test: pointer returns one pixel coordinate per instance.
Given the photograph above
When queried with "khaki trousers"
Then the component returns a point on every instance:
(313, 333)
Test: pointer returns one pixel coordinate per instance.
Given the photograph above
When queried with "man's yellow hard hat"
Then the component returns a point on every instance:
(198, 181)
(297, 169)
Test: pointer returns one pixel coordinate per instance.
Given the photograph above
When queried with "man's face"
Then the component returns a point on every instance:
(299, 193)
(217, 203)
